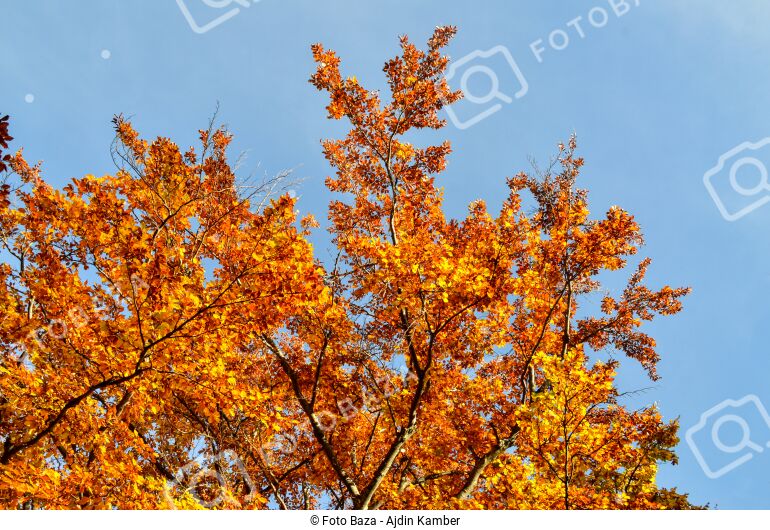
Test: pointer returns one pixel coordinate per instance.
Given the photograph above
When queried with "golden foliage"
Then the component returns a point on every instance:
(169, 342)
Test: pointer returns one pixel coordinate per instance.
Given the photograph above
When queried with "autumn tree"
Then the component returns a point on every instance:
(5, 137)
(122, 299)
(169, 339)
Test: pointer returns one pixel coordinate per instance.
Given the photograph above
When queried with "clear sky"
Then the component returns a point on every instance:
(656, 93)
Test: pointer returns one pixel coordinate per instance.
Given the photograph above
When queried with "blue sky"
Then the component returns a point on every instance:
(655, 95)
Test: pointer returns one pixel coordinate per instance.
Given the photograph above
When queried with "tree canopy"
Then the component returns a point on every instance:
(170, 340)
